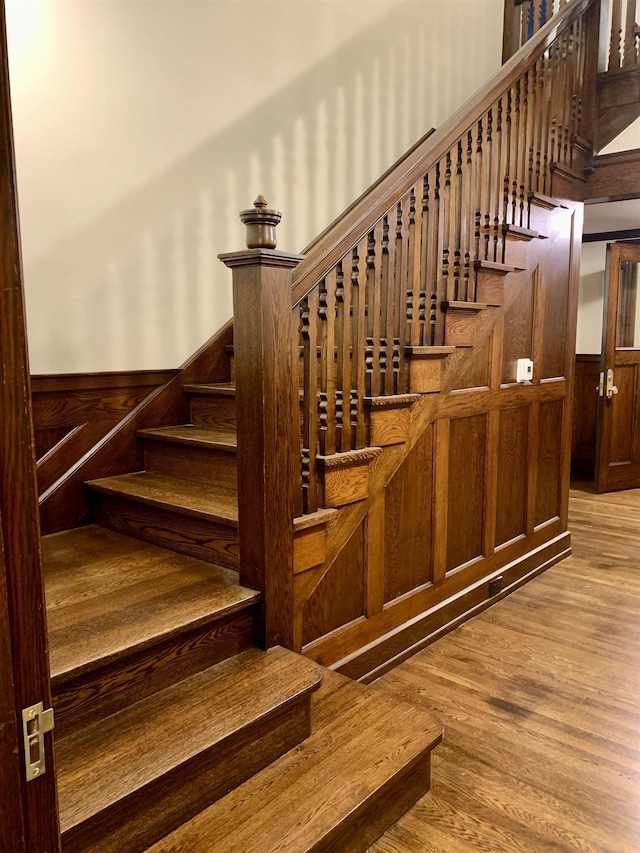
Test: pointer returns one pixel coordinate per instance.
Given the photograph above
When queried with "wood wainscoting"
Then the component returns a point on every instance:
(479, 505)
(72, 412)
(585, 408)
(539, 699)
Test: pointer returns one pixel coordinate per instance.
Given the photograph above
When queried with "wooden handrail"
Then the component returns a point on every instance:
(376, 286)
(357, 220)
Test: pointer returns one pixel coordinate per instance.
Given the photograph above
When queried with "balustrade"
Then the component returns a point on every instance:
(386, 289)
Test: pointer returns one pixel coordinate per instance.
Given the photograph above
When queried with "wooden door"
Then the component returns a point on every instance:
(28, 812)
(618, 442)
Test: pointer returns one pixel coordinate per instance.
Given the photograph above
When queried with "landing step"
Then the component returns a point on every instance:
(126, 618)
(366, 763)
(198, 500)
(128, 780)
(194, 436)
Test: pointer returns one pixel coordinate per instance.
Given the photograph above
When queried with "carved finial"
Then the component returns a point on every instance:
(261, 225)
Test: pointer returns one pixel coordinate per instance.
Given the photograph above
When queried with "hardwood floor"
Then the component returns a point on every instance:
(539, 696)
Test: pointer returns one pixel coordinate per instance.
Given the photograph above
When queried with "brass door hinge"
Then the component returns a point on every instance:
(36, 722)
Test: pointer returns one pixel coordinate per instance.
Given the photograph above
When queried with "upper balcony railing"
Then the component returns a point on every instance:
(620, 31)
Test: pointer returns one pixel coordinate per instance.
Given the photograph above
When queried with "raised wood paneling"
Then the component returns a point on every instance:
(407, 540)
(467, 451)
(339, 598)
(518, 331)
(622, 423)
(477, 375)
(555, 311)
(549, 459)
(513, 460)
(585, 407)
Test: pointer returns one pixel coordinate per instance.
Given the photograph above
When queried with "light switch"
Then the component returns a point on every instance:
(524, 370)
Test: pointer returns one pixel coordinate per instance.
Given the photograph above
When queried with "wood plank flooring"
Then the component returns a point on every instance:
(540, 700)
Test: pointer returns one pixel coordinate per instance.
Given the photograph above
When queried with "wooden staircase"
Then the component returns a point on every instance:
(217, 511)
(163, 706)
(167, 717)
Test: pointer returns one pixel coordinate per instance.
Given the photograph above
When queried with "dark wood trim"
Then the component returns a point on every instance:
(21, 583)
(613, 177)
(63, 382)
(612, 236)
(11, 773)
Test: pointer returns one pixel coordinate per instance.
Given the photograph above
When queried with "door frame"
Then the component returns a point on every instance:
(29, 809)
(614, 254)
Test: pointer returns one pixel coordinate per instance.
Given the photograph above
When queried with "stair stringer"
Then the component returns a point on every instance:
(423, 413)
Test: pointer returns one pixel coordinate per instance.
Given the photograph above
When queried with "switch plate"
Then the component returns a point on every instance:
(524, 370)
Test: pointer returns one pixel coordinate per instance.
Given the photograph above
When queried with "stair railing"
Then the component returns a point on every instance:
(377, 282)
(320, 339)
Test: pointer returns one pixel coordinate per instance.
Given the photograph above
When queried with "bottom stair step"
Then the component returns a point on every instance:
(366, 763)
(130, 779)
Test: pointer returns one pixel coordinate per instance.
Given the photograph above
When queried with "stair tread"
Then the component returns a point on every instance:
(201, 500)
(464, 306)
(107, 593)
(110, 760)
(362, 739)
(197, 436)
(225, 389)
(492, 266)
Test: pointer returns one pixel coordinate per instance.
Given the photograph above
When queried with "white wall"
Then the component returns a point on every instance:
(591, 298)
(143, 128)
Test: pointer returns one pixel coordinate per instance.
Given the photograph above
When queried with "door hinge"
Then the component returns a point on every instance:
(36, 722)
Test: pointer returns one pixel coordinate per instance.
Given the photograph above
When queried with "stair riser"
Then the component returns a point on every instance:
(516, 252)
(197, 537)
(380, 811)
(187, 462)
(154, 811)
(135, 675)
(218, 412)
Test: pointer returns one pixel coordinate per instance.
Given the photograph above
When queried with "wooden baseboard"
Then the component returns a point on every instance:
(378, 657)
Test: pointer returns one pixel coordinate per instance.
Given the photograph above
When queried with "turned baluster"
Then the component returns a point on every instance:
(616, 34)
(630, 56)
(309, 337)
(265, 342)
(374, 310)
(388, 282)
(327, 343)
(358, 343)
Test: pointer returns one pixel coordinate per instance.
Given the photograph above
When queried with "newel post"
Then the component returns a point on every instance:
(266, 400)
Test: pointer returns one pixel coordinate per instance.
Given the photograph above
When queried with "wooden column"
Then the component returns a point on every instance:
(28, 820)
(265, 344)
